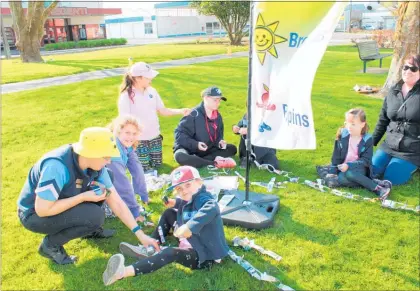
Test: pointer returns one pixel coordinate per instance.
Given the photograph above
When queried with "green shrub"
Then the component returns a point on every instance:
(85, 44)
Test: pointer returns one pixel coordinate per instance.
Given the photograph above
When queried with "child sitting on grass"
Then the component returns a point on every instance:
(200, 231)
(351, 162)
(261, 154)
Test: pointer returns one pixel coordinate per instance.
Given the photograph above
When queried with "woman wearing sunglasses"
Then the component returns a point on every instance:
(399, 155)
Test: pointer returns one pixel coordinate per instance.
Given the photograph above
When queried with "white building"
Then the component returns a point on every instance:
(170, 19)
(131, 27)
(381, 18)
(175, 19)
(69, 21)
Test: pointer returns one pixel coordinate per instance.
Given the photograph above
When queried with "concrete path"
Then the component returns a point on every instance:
(55, 81)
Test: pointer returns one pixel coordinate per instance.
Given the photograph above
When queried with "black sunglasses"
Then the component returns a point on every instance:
(413, 69)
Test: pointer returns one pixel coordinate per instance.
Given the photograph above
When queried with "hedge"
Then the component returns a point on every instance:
(85, 43)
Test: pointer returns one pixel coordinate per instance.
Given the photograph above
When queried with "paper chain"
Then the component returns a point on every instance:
(322, 188)
(256, 273)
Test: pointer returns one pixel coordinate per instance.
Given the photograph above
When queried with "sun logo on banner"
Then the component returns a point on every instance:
(265, 39)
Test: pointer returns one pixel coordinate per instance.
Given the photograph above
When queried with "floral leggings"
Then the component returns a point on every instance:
(150, 153)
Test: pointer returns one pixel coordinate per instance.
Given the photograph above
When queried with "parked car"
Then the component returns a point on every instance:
(368, 27)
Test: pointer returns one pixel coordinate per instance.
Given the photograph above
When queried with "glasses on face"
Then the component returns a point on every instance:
(412, 68)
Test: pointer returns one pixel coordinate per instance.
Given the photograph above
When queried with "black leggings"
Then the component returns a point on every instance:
(185, 257)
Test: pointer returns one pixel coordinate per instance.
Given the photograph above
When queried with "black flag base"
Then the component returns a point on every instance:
(255, 213)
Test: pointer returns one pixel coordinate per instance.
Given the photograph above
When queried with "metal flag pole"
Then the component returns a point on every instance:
(248, 140)
(249, 210)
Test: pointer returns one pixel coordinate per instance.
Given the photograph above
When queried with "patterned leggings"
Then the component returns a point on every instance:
(150, 153)
(185, 257)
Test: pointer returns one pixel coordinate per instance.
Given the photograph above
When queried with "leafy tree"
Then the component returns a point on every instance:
(233, 15)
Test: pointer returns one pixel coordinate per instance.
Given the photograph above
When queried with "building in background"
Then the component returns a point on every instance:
(131, 26)
(366, 17)
(169, 19)
(69, 21)
(380, 18)
(175, 19)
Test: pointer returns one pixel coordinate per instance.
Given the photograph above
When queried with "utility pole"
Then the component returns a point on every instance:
(5, 40)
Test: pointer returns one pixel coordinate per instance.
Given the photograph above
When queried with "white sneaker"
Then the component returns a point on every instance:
(114, 270)
(137, 252)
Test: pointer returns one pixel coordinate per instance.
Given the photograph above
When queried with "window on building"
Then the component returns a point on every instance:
(148, 28)
(216, 26)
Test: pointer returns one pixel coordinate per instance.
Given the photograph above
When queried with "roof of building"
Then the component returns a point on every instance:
(171, 4)
(356, 7)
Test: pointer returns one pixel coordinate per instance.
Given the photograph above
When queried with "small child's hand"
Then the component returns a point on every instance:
(186, 111)
(183, 231)
(243, 131)
(202, 146)
(343, 167)
(235, 129)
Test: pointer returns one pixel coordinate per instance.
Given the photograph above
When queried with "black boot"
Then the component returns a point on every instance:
(101, 233)
(55, 253)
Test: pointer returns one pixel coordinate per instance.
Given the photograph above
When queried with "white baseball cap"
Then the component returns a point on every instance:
(142, 69)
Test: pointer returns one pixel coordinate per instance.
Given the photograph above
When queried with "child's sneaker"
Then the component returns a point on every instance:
(382, 192)
(114, 270)
(222, 163)
(137, 252)
(383, 183)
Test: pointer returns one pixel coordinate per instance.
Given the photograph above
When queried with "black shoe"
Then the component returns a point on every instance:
(56, 253)
(243, 163)
(331, 182)
(383, 183)
(101, 233)
(382, 192)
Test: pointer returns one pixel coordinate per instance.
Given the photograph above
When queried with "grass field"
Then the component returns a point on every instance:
(66, 64)
(326, 242)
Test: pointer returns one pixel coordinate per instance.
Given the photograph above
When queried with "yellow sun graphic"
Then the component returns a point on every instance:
(265, 39)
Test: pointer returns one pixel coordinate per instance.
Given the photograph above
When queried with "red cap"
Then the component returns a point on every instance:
(182, 175)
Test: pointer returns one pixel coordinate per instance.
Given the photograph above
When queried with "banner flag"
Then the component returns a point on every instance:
(289, 40)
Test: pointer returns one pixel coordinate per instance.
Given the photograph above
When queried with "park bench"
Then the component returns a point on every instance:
(369, 51)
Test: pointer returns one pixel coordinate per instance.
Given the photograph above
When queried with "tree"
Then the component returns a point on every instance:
(407, 38)
(233, 15)
(29, 28)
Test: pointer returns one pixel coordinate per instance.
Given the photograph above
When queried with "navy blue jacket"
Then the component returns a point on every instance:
(78, 182)
(202, 216)
(192, 129)
(365, 153)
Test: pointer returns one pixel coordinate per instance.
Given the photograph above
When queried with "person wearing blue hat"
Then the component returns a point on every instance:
(198, 226)
(199, 140)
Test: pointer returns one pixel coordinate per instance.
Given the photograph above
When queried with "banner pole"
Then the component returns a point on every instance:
(248, 140)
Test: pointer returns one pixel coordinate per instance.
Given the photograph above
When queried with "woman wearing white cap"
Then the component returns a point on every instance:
(141, 100)
(63, 193)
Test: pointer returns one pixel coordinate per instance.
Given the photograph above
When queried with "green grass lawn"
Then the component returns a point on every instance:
(326, 242)
(66, 64)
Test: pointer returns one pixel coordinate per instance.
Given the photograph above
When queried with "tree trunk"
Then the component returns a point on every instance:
(29, 28)
(29, 48)
(407, 37)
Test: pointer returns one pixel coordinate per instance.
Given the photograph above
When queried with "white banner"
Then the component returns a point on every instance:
(289, 40)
